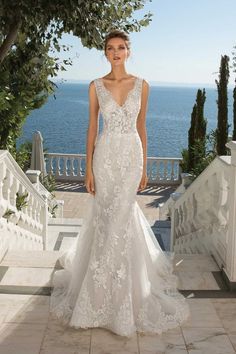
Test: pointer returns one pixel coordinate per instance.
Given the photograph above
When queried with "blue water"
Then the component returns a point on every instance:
(63, 121)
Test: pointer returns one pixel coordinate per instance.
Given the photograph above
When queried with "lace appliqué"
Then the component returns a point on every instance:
(115, 281)
(119, 119)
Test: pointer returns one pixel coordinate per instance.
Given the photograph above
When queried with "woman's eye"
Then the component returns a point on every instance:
(108, 48)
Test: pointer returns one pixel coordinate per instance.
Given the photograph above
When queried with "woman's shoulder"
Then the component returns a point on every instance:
(142, 78)
(94, 83)
(144, 81)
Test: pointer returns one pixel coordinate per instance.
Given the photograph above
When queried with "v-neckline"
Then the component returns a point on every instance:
(112, 97)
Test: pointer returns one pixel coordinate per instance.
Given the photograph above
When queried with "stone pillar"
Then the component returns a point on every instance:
(186, 179)
(230, 270)
(174, 196)
(33, 176)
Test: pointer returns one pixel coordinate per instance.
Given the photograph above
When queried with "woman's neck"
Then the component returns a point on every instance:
(118, 73)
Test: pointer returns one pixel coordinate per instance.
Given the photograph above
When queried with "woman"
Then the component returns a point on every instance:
(117, 276)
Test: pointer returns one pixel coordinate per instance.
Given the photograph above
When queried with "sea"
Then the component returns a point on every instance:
(63, 119)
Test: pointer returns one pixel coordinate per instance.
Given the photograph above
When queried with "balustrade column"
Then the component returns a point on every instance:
(231, 242)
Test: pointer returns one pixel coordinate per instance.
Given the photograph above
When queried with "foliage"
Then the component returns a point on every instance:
(197, 131)
(234, 114)
(48, 181)
(201, 121)
(43, 21)
(21, 200)
(191, 139)
(184, 163)
(8, 213)
(204, 152)
(23, 155)
(24, 86)
(222, 102)
(29, 30)
(52, 210)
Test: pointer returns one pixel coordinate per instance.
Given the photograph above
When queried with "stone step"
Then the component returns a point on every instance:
(66, 221)
(31, 259)
(195, 262)
(198, 272)
(48, 259)
(32, 270)
(61, 236)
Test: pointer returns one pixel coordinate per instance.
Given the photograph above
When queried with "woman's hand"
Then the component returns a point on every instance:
(143, 182)
(89, 182)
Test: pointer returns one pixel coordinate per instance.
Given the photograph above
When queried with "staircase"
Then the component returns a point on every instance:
(26, 272)
(30, 271)
(203, 215)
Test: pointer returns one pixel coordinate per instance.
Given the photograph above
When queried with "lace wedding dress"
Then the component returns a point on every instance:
(116, 275)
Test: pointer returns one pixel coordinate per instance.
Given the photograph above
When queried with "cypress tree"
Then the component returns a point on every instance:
(222, 102)
(201, 121)
(197, 131)
(191, 138)
(234, 114)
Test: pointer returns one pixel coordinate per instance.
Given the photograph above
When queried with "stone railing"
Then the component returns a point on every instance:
(203, 217)
(23, 227)
(71, 167)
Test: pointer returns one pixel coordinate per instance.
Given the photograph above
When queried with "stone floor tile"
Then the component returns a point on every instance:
(104, 341)
(232, 338)
(170, 342)
(21, 339)
(24, 308)
(207, 341)
(60, 339)
(202, 314)
(226, 310)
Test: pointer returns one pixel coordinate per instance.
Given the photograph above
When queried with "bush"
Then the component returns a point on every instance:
(204, 153)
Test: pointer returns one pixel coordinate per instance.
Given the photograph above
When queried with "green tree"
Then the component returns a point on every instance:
(46, 21)
(197, 131)
(234, 114)
(222, 102)
(234, 97)
(203, 151)
(24, 86)
(191, 139)
(199, 152)
(29, 30)
(201, 121)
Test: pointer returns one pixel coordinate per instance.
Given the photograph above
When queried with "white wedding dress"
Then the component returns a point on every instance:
(116, 275)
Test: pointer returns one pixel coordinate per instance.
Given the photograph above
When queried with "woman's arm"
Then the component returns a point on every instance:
(91, 134)
(141, 122)
(92, 126)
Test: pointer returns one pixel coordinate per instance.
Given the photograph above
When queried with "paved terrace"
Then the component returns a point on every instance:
(27, 328)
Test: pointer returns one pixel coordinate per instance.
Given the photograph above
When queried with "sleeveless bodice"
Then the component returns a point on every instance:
(119, 119)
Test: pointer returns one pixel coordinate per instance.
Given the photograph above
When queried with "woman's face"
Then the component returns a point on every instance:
(116, 51)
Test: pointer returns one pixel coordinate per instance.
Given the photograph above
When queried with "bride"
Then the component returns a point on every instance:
(116, 276)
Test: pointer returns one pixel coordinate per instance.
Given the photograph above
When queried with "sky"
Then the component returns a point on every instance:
(182, 45)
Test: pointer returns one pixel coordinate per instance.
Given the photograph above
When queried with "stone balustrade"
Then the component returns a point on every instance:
(24, 227)
(203, 215)
(71, 167)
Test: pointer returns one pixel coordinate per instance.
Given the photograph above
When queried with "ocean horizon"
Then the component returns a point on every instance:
(63, 120)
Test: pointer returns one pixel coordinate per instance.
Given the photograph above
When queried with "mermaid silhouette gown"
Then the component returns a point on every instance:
(115, 275)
